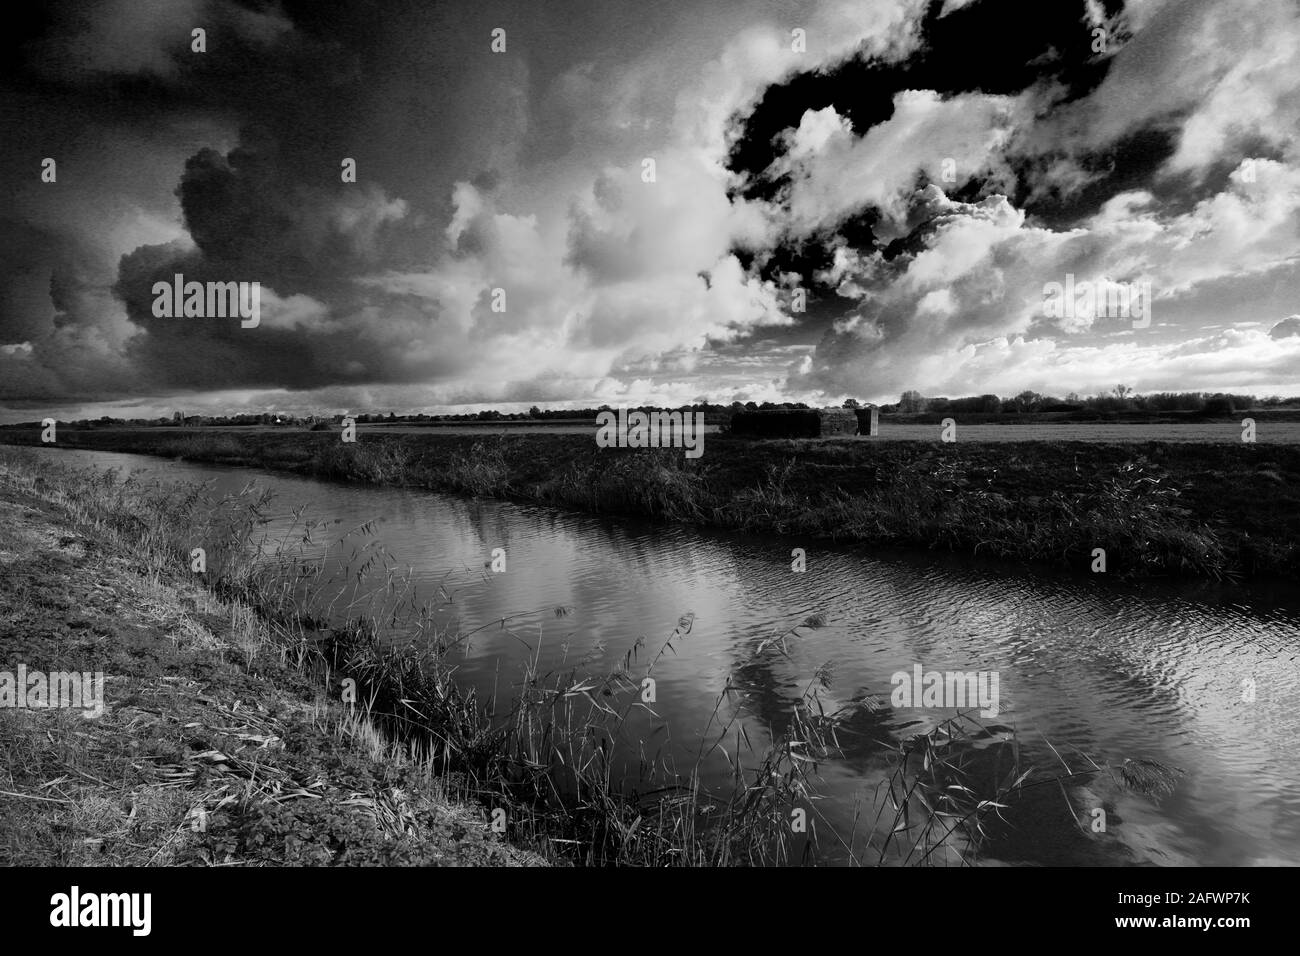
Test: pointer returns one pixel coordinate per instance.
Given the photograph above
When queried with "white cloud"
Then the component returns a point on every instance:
(966, 313)
(835, 173)
(1221, 76)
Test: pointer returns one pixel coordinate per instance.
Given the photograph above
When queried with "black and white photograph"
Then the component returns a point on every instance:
(595, 434)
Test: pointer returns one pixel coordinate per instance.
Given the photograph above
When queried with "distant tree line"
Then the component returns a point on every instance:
(717, 412)
(1120, 399)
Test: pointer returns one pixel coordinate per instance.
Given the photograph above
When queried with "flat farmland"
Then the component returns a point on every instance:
(1266, 432)
(1274, 432)
(1285, 433)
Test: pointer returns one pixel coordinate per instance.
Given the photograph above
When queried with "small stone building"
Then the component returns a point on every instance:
(795, 423)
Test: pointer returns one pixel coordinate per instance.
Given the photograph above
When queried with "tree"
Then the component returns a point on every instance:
(911, 401)
(534, 412)
(1028, 400)
(1122, 391)
(851, 403)
(1219, 404)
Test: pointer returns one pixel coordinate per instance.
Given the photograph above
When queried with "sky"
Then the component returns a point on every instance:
(587, 202)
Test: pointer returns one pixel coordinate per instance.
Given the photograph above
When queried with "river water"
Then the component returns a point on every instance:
(1152, 671)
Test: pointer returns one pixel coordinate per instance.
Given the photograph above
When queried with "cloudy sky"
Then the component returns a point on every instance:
(915, 171)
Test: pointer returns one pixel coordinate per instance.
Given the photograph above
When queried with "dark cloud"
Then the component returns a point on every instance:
(1287, 328)
(251, 212)
(1000, 47)
(992, 46)
(521, 172)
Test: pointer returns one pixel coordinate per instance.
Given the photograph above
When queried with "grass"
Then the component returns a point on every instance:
(214, 749)
(235, 744)
(951, 788)
(1215, 510)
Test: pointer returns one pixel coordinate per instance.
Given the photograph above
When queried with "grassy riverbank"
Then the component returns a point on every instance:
(1208, 509)
(213, 748)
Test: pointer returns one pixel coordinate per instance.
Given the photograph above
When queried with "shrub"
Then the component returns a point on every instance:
(1218, 405)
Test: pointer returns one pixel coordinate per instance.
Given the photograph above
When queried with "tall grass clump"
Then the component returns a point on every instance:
(482, 471)
(375, 462)
(1134, 513)
(656, 483)
(949, 786)
(218, 447)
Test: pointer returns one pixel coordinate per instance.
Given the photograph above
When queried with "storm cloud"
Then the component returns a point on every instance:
(621, 205)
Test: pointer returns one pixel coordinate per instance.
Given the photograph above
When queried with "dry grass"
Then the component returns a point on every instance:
(214, 748)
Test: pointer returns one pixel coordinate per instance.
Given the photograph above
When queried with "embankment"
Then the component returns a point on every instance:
(1182, 509)
(212, 748)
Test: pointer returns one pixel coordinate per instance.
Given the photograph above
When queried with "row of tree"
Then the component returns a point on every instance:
(1120, 399)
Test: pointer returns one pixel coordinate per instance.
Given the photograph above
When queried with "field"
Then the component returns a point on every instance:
(1267, 430)
(1287, 433)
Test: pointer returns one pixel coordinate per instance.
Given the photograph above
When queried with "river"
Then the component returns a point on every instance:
(1198, 676)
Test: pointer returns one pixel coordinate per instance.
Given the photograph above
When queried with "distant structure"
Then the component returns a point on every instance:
(868, 420)
(795, 423)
